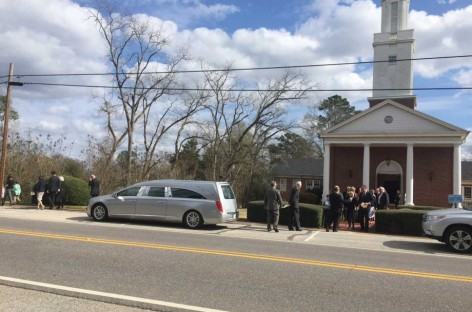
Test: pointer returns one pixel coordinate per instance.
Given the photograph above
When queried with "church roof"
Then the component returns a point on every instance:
(391, 119)
(299, 167)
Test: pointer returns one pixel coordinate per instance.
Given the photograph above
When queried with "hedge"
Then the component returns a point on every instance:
(75, 192)
(310, 215)
(400, 221)
(422, 208)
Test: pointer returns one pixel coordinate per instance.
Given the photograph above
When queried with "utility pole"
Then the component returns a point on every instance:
(5, 129)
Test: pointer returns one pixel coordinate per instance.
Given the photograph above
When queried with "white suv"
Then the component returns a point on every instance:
(452, 226)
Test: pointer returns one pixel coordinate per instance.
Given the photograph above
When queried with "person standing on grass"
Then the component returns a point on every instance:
(272, 203)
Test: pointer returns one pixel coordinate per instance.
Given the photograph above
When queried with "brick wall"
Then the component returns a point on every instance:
(346, 166)
(347, 162)
(436, 160)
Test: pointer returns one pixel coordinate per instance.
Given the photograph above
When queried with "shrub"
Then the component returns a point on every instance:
(76, 191)
(310, 215)
(309, 198)
(423, 208)
(400, 221)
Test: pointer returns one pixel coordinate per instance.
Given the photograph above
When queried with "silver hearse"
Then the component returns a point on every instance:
(192, 203)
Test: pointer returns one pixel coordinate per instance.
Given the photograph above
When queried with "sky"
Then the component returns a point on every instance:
(56, 37)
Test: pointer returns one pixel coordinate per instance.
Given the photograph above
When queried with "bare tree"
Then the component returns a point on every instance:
(241, 123)
(177, 113)
(135, 47)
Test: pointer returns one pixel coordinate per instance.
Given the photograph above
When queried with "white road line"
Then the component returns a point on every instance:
(311, 236)
(110, 295)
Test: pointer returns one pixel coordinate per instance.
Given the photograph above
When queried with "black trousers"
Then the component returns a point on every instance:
(333, 218)
(350, 215)
(294, 219)
(52, 199)
(272, 218)
(364, 218)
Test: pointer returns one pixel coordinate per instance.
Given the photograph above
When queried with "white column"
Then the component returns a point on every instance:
(409, 176)
(457, 174)
(326, 163)
(366, 166)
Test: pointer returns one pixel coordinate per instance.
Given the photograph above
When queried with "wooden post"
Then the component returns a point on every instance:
(5, 130)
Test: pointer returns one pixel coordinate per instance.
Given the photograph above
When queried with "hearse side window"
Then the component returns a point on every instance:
(183, 193)
(227, 192)
(132, 191)
(157, 192)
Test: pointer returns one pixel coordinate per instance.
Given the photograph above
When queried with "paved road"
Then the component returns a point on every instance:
(247, 256)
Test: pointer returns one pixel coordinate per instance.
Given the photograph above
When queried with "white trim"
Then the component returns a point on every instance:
(398, 171)
(366, 166)
(326, 163)
(459, 131)
(456, 173)
(409, 176)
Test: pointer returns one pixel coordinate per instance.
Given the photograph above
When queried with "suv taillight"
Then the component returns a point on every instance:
(220, 206)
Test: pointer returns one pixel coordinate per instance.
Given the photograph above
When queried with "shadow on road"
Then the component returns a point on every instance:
(147, 223)
(432, 247)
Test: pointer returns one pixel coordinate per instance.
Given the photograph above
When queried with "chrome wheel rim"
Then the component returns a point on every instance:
(193, 219)
(99, 212)
(460, 240)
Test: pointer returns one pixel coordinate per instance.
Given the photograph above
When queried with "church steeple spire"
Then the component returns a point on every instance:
(393, 79)
(394, 15)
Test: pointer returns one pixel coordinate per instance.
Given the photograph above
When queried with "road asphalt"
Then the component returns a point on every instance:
(16, 297)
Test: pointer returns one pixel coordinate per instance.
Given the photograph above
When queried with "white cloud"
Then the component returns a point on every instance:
(58, 109)
(50, 125)
(55, 36)
(446, 35)
(446, 1)
(183, 12)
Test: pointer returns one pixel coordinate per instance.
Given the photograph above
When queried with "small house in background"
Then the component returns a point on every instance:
(308, 171)
(466, 168)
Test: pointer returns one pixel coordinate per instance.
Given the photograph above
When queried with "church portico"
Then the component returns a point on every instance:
(419, 167)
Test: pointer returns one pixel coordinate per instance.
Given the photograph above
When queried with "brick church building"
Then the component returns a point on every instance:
(391, 143)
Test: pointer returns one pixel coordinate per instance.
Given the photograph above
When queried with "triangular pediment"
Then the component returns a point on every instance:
(392, 118)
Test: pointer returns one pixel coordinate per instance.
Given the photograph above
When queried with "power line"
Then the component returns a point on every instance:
(247, 69)
(248, 90)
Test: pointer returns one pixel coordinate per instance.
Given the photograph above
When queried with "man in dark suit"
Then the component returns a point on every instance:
(294, 201)
(366, 201)
(272, 203)
(336, 201)
(383, 199)
(54, 186)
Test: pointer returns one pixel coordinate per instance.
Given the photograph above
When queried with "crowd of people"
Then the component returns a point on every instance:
(49, 191)
(354, 205)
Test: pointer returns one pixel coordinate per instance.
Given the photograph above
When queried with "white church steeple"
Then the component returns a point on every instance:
(392, 78)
